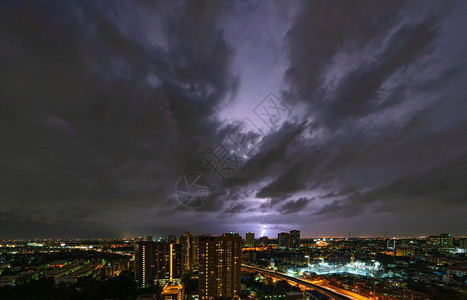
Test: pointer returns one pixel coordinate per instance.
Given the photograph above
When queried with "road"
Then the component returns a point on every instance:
(326, 289)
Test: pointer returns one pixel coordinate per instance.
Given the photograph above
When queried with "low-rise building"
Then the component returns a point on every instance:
(173, 292)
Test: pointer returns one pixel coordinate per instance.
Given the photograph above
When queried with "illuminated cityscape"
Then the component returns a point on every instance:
(233, 149)
(228, 267)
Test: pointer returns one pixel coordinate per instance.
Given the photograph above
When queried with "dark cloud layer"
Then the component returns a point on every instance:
(105, 104)
(95, 120)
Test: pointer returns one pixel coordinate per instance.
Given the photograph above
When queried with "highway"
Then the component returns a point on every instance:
(331, 291)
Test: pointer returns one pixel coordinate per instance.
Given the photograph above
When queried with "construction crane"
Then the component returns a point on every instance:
(326, 256)
(384, 239)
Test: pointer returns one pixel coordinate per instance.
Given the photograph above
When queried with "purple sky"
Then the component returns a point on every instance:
(106, 104)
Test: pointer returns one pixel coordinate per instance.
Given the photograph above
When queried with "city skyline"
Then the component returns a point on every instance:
(229, 267)
(146, 118)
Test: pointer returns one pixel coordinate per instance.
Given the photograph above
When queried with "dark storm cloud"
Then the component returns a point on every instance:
(104, 105)
(270, 203)
(293, 206)
(95, 119)
(362, 85)
(439, 189)
(385, 97)
(271, 154)
(235, 208)
(326, 30)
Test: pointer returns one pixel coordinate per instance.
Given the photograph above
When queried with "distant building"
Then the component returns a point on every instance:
(173, 292)
(250, 239)
(263, 241)
(271, 265)
(391, 244)
(172, 239)
(443, 240)
(219, 266)
(463, 243)
(116, 267)
(294, 242)
(405, 252)
(283, 240)
(249, 256)
(458, 271)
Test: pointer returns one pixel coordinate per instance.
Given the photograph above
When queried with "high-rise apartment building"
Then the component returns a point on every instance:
(145, 270)
(294, 242)
(174, 262)
(157, 261)
(189, 257)
(195, 253)
(250, 239)
(283, 239)
(263, 241)
(219, 266)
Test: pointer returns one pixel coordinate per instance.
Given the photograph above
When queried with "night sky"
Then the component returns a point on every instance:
(105, 104)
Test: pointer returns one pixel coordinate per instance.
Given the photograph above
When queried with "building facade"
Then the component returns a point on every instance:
(219, 266)
(189, 248)
(283, 240)
(264, 241)
(173, 292)
(157, 261)
(294, 242)
(443, 240)
(250, 239)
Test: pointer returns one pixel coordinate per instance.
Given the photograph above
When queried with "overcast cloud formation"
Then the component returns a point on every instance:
(104, 105)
